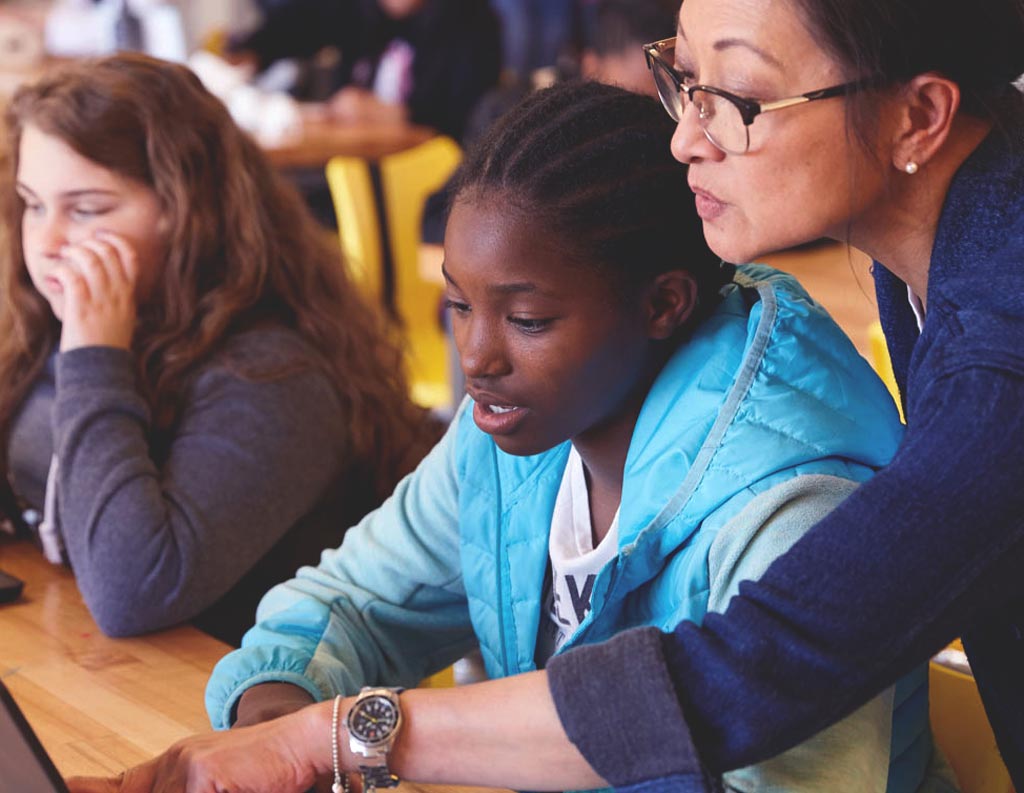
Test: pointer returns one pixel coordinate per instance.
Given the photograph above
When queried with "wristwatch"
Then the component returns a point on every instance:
(373, 722)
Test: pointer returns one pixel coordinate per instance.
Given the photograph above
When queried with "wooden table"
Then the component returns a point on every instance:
(318, 141)
(100, 705)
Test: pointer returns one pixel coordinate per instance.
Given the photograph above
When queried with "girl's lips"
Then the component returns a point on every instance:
(708, 207)
(52, 284)
(503, 423)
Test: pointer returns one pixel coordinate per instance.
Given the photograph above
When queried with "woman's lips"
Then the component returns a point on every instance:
(708, 206)
(497, 419)
(53, 285)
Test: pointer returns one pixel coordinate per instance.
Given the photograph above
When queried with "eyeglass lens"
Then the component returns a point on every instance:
(720, 119)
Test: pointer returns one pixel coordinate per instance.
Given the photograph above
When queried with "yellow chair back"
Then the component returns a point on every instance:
(406, 180)
(882, 364)
(961, 727)
(356, 211)
(443, 679)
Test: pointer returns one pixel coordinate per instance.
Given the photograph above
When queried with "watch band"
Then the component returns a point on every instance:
(377, 776)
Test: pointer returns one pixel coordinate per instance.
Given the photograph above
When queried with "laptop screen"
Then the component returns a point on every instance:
(24, 765)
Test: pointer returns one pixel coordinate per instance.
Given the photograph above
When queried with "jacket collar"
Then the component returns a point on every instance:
(714, 422)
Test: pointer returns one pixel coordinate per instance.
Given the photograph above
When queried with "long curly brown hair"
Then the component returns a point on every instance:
(242, 249)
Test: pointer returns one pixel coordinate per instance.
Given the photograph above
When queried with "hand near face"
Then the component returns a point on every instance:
(266, 758)
(98, 278)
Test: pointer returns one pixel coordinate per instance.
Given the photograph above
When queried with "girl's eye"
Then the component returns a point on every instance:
(457, 306)
(88, 212)
(32, 209)
(530, 325)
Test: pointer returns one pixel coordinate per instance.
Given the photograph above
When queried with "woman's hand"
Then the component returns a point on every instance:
(281, 756)
(98, 277)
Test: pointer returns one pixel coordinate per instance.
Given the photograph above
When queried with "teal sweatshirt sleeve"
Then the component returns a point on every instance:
(386, 608)
(852, 755)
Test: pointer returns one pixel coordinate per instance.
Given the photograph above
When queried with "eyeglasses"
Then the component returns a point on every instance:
(724, 118)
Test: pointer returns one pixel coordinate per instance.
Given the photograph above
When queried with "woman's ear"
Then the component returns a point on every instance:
(927, 106)
(672, 299)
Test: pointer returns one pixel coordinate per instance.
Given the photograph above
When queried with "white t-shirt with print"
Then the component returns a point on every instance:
(575, 562)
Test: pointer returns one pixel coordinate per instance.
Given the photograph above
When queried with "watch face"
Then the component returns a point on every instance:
(373, 719)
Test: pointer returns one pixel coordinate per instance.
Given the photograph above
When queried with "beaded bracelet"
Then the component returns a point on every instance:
(340, 781)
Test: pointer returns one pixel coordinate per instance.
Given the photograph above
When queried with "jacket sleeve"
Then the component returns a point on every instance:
(155, 544)
(851, 755)
(388, 607)
(909, 561)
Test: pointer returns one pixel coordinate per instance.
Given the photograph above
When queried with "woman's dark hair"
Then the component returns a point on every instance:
(979, 45)
(592, 163)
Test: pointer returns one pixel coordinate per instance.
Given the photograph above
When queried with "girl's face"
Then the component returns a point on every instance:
(549, 349)
(69, 199)
(805, 175)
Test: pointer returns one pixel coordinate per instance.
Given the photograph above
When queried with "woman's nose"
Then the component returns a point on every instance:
(689, 143)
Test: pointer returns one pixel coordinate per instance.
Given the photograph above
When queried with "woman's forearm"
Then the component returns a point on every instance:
(502, 733)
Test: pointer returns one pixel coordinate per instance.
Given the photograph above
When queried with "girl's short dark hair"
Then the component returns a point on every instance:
(979, 45)
(591, 164)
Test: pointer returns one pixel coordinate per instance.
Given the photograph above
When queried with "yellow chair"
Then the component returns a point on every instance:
(960, 726)
(882, 364)
(406, 180)
(443, 679)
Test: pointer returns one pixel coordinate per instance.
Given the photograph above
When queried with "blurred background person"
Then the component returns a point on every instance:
(534, 34)
(425, 61)
(613, 42)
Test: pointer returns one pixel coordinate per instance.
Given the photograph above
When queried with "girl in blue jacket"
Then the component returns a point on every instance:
(645, 428)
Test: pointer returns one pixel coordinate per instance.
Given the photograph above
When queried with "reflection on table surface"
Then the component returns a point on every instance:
(100, 705)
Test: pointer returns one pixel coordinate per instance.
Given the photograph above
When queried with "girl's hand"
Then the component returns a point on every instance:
(98, 277)
(275, 757)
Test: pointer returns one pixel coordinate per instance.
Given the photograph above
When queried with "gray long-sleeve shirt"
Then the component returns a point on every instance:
(254, 482)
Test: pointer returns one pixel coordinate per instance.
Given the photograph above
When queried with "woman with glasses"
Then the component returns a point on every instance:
(893, 126)
(917, 159)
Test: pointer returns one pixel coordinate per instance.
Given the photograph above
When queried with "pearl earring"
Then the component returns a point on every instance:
(910, 167)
